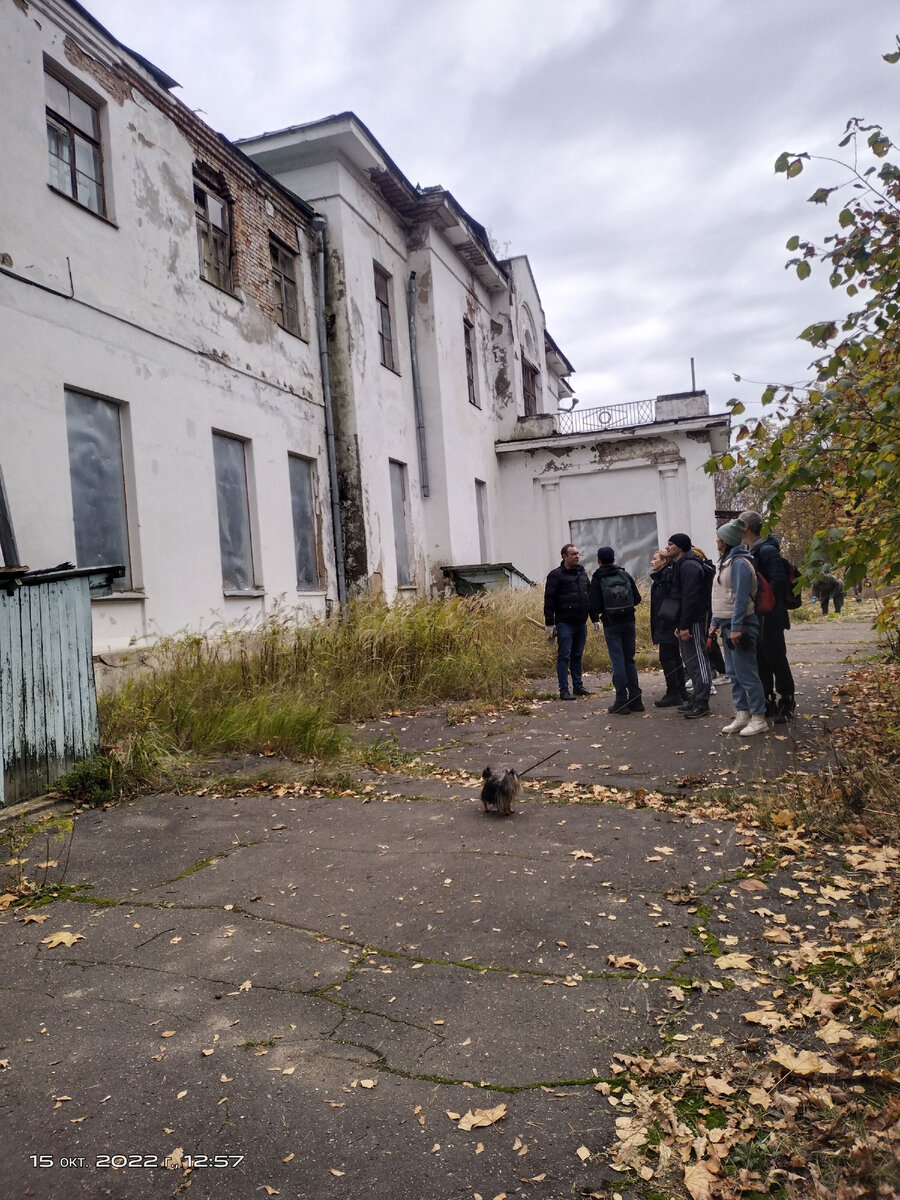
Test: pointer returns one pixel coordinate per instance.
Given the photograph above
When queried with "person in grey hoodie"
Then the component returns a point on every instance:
(734, 616)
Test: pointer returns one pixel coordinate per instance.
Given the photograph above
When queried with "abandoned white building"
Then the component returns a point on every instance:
(277, 372)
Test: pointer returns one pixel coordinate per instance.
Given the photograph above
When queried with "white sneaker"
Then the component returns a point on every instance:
(721, 679)
(757, 724)
(741, 721)
(712, 690)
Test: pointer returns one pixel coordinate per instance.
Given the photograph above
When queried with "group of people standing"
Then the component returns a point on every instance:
(693, 602)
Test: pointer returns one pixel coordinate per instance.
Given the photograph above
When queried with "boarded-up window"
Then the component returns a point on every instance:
(97, 475)
(481, 517)
(634, 538)
(301, 478)
(229, 456)
(400, 508)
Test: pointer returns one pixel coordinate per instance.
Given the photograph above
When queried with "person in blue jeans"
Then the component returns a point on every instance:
(565, 613)
(612, 599)
(734, 616)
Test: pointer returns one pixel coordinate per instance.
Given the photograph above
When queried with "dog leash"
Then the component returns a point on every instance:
(537, 764)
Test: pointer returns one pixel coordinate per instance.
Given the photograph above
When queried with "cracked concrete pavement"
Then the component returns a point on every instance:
(302, 988)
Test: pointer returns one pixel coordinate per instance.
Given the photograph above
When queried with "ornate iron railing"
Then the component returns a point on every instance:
(611, 416)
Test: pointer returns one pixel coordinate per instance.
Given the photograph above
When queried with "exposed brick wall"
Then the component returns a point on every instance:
(259, 206)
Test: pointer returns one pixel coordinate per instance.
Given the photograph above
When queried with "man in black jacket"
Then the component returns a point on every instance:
(566, 611)
(691, 623)
(612, 598)
(771, 652)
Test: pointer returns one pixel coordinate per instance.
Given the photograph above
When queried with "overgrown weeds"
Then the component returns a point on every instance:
(288, 688)
(859, 794)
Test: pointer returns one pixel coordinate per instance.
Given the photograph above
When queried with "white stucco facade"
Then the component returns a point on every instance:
(168, 316)
(112, 306)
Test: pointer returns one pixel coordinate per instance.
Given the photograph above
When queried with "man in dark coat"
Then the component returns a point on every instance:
(663, 607)
(771, 652)
(829, 587)
(613, 596)
(566, 612)
(691, 590)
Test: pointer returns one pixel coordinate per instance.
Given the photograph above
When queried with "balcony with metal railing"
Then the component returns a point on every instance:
(610, 416)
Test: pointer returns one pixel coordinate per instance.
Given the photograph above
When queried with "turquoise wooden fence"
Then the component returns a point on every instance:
(48, 700)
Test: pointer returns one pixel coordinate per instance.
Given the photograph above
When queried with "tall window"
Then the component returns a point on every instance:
(232, 493)
(284, 286)
(481, 517)
(73, 138)
(469, 338)
(213, 237)
(400, 508)
(529, 388)
(383, 303)
(97, 476)
(301, 479)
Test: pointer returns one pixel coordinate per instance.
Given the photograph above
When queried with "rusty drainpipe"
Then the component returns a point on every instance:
(319, 224)
(417, 386)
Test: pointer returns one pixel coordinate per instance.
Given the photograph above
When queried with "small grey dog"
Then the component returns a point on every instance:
(500, 791)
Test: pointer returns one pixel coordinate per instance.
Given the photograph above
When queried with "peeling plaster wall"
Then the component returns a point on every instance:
(373, 405)
(460, 435)
(543, 490)
(127, 317)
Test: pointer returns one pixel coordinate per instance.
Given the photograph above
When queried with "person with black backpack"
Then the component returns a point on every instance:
(774, 668)
(612, 599)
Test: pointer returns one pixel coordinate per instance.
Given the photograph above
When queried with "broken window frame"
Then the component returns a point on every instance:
(213, 236)
(385, 322)
(286, 299)
(469, 340)
(81, 147)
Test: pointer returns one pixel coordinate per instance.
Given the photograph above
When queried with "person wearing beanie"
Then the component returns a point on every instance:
(734, 616)
(612, 599)
(565, 615)
(690, 589)
(771, 653)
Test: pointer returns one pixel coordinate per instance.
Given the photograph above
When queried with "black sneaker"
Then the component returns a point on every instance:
(636, 705)
(668, 701)
(701, 710)
(685, 706)
(621, 708)
(583, 692)
(566, 696)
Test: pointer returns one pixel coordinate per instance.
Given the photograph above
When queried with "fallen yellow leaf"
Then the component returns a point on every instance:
(583, 1153)
(482, 1117)
(62, 939)
(804, 1063)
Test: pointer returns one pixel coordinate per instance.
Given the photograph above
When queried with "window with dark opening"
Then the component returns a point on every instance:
(213, 237)
(284, 286)
(383, 302)
(73, 139)
(469, 337)
(529, 388)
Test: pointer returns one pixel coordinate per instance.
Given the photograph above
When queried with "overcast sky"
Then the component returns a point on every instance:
(625, 146)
